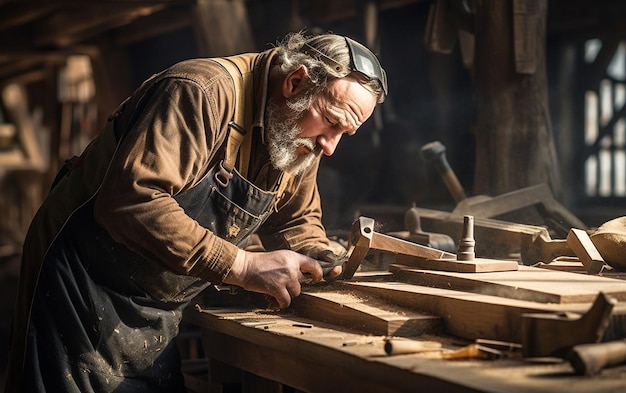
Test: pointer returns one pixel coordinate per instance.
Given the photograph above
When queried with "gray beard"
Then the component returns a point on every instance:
(282, 132)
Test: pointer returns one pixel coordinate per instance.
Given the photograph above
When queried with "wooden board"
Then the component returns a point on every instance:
(363, 312)
(528, 283)
(472, 315)
(478, 265)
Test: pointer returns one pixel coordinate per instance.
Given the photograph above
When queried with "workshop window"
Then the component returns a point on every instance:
(605, 126)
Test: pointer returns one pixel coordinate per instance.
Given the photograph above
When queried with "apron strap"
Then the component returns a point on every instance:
(239, 135)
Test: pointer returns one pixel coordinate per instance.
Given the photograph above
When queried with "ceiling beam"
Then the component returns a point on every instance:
(159, 23)
(73, 27)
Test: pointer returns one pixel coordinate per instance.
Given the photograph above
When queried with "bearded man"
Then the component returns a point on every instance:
(161, 203)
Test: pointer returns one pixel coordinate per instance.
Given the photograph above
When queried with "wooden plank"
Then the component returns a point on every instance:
(528, 283)
(472, 315)
(478, 265)
(362, 312)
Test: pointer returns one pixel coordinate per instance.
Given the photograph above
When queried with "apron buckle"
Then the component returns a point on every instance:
(223, 176)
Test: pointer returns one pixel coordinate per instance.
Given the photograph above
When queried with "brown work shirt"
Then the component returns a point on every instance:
(175, 126)
(171, 144)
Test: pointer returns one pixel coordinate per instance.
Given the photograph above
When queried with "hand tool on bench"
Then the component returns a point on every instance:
(590, 359)
(498, 239)
(413, 232)
(363, 238)
(534, 205)
(400, 346)
(554, 335)
(586, 251)
(466, 261)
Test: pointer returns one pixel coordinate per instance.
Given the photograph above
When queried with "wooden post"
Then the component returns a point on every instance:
(514, 140)
(222, 28)
(111, 73)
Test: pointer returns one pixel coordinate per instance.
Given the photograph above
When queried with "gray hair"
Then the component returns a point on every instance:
(292, 55)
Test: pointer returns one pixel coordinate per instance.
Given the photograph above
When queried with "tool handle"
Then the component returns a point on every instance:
(306, 278)
(435, 153)
(328, 266)
(590, 359)
(454, 186)
(400, 347)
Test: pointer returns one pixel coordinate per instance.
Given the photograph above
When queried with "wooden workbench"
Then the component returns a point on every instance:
(332, 339)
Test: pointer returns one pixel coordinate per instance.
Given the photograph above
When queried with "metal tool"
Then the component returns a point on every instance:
(440, 241)
(307, 278)
(328, 266)
(363, 238)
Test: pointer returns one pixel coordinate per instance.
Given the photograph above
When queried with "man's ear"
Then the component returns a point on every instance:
(295, 81)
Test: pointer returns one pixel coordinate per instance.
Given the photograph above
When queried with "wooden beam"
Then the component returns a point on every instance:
(73, 26)
(14, 64)
(21, 13)
(159, 23)
(9, 55)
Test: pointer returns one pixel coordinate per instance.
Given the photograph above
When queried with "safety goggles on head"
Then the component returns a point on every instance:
(362, 60)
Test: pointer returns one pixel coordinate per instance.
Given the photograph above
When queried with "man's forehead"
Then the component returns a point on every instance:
(348, 95)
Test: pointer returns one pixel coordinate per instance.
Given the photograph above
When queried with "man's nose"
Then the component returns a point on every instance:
(329, 141)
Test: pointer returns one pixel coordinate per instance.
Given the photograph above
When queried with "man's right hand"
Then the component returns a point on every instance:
(275, 273)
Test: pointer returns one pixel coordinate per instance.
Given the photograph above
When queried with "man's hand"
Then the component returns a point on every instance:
(275, 273)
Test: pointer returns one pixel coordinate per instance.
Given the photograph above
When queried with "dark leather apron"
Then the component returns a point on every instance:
(104, 318)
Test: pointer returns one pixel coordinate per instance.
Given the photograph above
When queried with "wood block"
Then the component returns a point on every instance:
(478, 265)
(362, 312)
(585, 250)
